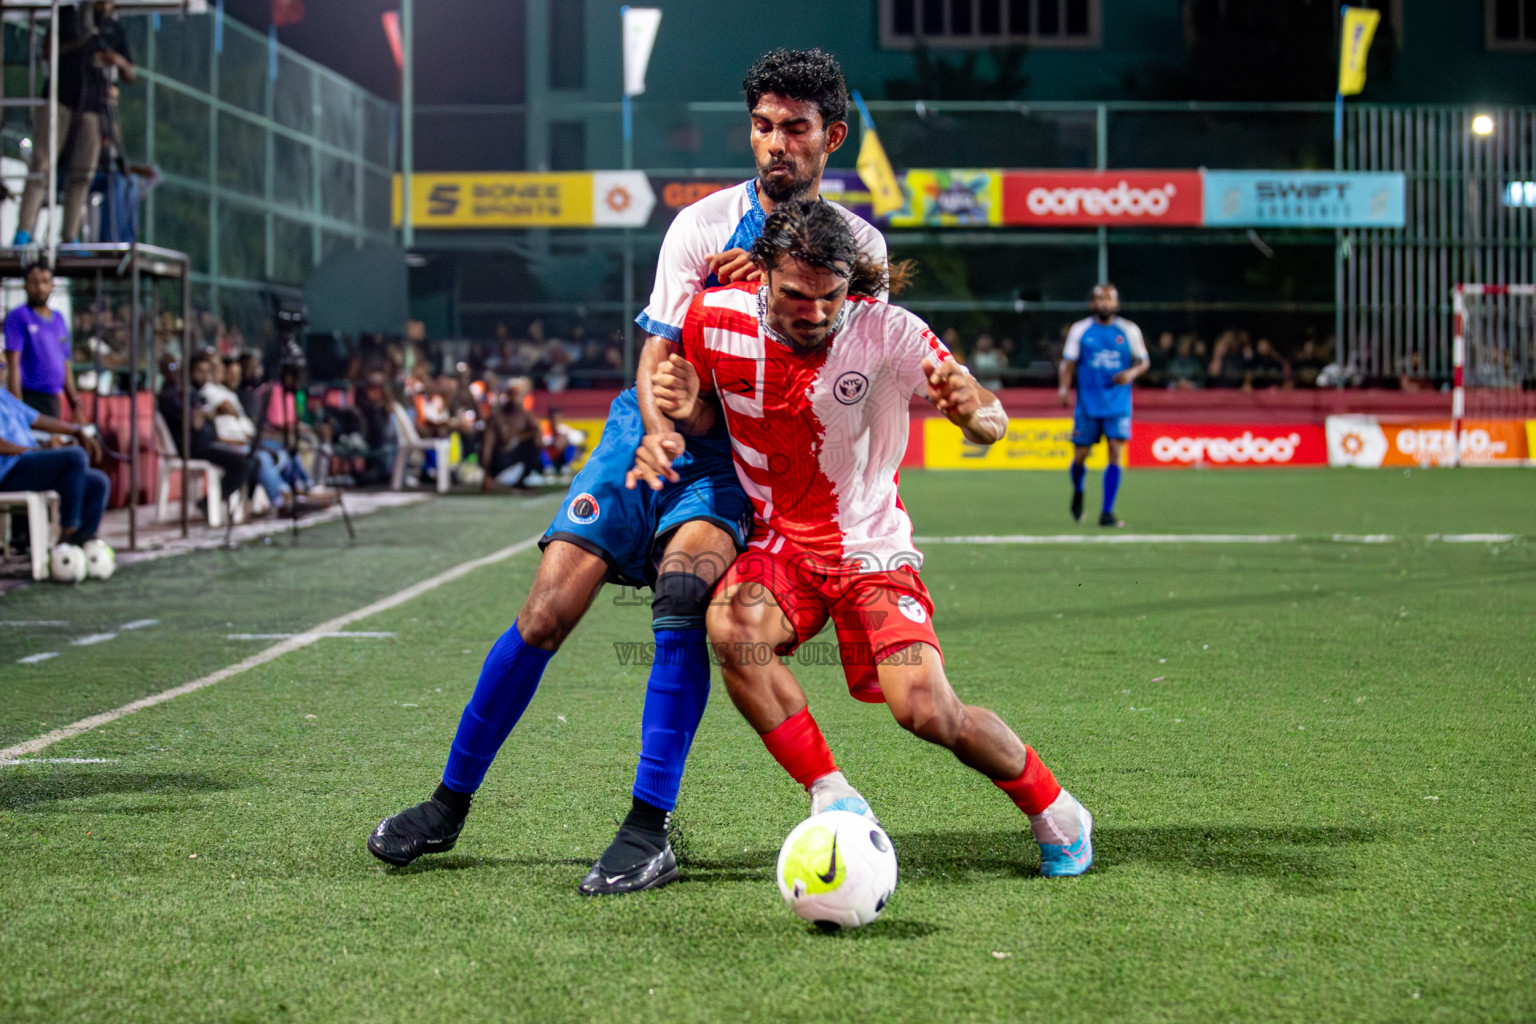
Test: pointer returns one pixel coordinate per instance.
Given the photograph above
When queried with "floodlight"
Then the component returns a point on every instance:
(1482, 124)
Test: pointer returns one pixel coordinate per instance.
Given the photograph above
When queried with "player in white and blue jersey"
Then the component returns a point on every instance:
(679, 539)
(1106, 352)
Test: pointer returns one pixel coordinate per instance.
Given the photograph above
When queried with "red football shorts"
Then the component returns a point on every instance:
(875, 613)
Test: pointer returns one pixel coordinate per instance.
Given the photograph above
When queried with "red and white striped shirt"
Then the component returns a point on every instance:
(818, 437)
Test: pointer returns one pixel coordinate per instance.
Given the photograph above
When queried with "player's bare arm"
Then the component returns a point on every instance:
(1064, 375)
(964, 402)
(1136, 370)
(674, 385)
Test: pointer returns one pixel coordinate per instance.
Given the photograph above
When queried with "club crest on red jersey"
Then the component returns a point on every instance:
(850, 387)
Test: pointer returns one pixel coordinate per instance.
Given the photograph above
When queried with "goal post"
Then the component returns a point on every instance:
(1493, 358)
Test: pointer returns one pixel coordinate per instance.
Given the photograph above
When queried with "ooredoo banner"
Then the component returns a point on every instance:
(1370, 442)
(1187, 445)
(1115, 198)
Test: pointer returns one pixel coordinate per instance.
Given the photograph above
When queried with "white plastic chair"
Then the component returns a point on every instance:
(42, 524)
(409, 441)
(171, 463)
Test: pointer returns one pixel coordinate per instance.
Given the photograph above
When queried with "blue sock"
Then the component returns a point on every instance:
(1078, 472)
(510, 675)
(675, 696)
(1111, 485)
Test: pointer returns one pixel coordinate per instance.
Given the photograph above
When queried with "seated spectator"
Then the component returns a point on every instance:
(1160, 354)
(1309, 362)
(987, 363)
(562, 442)
(249, 386)
(234, 428)
(1413, 378)
(25, 467)
(1270, 368)
(283, 431)
(510, 451)
(235, 460)
(1232, 361)
(1186, 370)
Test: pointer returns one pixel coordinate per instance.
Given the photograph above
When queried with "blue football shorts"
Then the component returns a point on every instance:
(627, 527)
(1086, 430)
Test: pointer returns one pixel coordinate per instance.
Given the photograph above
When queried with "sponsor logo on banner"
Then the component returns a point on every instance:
(1029, 444)
(1304, 199)
(1184, 445)
(1370, 442)
(1120, 198)
(950, 199)
(516, 200)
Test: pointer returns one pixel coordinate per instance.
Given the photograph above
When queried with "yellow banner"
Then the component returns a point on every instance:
(1029, 444)
(875, 168)
(498, 200)
(1530, 440)
(1359, 26)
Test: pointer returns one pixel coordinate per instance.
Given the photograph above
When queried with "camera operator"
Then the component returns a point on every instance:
(93, 57)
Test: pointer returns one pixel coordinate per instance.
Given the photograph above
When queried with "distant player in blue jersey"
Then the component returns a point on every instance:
(1106, 352)
(678, 540)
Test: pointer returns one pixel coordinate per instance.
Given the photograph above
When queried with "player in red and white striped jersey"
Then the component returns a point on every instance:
(814, 385)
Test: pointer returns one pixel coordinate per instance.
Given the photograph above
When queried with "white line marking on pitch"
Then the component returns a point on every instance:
(139, 624)
(1216, 538)
(318, 636)
(272, 653)
(92, 639)
(56, 760)
(33, 659)
(35, 622)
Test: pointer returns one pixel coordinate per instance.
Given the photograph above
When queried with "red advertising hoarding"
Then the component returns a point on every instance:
(1176, 445)
(1090, 198)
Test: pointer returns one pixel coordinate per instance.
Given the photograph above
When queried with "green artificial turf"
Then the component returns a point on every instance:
(1310, 765)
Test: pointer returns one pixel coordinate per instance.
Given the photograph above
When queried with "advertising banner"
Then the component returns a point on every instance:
(950, 199)
(1305, 199)
(1029, 444)
(581, 199)
(1176, 445)
(1088, 198)
(1370, 442)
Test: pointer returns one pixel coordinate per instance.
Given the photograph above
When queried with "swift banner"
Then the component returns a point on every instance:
(581, 199)
(1088, 198)
(1369, 442)
(1029, 444)
(1318, 199)
(1206, 445)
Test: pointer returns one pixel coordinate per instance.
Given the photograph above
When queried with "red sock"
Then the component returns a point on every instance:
(798, 746)
(1035, 789)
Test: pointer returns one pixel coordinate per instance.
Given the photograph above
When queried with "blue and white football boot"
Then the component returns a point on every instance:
(1064, 831)
(833, 793)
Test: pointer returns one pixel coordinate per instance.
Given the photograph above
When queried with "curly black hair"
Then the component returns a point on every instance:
(810, 76)
(812, 231)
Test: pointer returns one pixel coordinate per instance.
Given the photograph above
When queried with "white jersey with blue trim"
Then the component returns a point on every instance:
(1101, 351)
(729, 219)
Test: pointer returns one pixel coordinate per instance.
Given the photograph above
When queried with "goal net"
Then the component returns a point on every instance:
(1493, 359)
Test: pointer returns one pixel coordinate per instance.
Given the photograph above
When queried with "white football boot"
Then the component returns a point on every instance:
(832, 792)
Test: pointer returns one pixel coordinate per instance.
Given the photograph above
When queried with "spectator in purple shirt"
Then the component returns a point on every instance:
(37, 350)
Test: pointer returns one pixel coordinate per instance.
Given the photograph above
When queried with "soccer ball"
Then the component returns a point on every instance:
(100, 559)
(837, 869)
(68, 563)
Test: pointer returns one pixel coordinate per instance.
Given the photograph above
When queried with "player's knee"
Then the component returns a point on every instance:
(544, 622)
(682, 600)
(929, 717)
